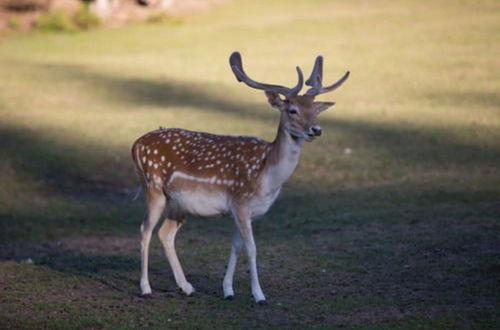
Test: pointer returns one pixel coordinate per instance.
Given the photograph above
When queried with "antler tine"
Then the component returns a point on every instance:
(300, 83)
(317, 69)
(316, 79)
(237, 66)
(336, 85)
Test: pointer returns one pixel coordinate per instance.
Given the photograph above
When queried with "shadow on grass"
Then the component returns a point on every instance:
(63, 169)
(115, 271)
(129, 93)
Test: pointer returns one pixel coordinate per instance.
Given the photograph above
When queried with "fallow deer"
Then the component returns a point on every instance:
(207, 175)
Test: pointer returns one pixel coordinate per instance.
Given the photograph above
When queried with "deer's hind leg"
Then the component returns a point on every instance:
(167, 233)
(155, 204)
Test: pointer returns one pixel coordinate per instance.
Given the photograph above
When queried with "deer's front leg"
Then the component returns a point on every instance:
(244, 223)
(227, 285)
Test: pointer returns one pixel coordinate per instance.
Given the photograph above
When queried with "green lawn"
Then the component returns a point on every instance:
(402, 232)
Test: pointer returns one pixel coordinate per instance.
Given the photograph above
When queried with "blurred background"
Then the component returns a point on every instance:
(390, 220)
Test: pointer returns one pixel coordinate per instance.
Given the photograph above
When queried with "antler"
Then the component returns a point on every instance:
(237, 67)
(316, 79)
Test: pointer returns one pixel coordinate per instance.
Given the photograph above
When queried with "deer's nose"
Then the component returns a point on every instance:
(316, 130)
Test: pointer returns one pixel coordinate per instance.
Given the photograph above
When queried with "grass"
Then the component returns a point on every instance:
(400, 233)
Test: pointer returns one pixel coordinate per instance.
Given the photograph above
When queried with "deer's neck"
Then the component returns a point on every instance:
(283, 158)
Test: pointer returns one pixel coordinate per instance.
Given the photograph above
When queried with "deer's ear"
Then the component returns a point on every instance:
(322, 106)
(275, 100)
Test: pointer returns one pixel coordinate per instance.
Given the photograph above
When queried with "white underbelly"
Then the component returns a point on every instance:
(199, 202)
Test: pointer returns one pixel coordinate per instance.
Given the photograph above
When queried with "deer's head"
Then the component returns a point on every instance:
(299, 113)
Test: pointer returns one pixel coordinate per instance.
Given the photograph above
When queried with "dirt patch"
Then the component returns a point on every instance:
(89, 245)
(125, 244)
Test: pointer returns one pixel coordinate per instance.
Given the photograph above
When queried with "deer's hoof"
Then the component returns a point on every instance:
(145, 290)
(262, 303)
(188, 289)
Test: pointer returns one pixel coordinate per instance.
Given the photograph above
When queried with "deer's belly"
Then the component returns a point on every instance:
(198, 203)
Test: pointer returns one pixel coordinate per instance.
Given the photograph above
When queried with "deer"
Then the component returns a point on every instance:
(187, 173)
